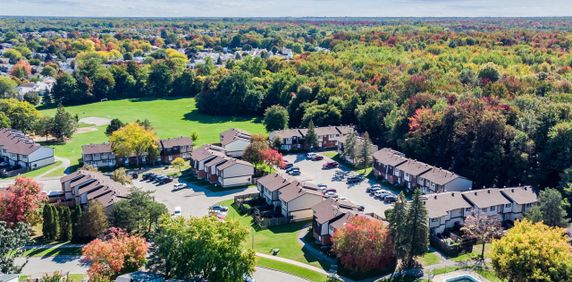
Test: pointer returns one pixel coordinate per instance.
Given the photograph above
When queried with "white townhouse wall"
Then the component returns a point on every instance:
(298, 207)
(235, 173)
(42, 157)
(488, 202)
(236, 147)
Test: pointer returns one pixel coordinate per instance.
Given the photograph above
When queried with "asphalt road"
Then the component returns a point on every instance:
(35, 267)
(312, 171)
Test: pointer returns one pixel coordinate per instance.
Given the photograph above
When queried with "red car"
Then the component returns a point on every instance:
(330, 165)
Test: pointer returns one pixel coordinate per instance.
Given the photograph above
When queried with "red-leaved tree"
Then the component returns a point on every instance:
(21, 201)
(363, 245)
(273, 157)
(117, 253)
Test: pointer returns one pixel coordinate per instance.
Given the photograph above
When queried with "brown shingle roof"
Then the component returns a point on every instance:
(414, 167)
(96, 149)
(440, 176)
(175, 142)
(485, 197)
(330, 208)
(97, 186)
(345, 129)
(228, 136)
(293, 191)
(206, 151)
(520, 195)
(232, 162)
(16, 142)
(389, 157)
(273, 182)
(287, 133)
(439, 204)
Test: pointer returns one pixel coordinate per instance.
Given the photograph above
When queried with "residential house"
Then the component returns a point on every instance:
(329, 137)
(235, 141)
(437, 180)
(297, 202)
(203, 155)
(98, 155)
(408, 172)
(180, 147)
(384, 163)
(326, 212)
(522, 200)
(83, 186)
(17, 150)
(234, 173)
(269, 187)
(446, 210)
(489, 202)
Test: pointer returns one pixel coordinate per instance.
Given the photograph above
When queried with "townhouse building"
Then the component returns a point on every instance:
(172, 148)
(98, 155)
(83, 186)
(384, 163)
(19, 152)
(437, 180)
(234, 141)
(328, 137)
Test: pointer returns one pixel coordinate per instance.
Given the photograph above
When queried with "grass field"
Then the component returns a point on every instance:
(430, 258)
(37, 172)
(169, 118)
(291, 269)
(283, 237)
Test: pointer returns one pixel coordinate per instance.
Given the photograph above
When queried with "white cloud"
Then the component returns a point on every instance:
(277, 8)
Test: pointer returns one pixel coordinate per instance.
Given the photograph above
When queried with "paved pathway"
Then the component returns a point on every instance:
(269, 275)
(64, 163)
(293, 262)
(37, 266)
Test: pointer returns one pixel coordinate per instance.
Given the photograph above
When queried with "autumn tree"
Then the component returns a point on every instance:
(179, 163)
(21, 69)
(549, 209)
(203, 247)
(120, 175)
(12, 238)
(483, 228)
(253, 152)
(363, 245)
(21, 202)
(272, 158)
(134, 140)
(532, 252)
(117, 254)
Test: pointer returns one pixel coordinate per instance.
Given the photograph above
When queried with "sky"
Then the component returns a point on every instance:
(282, 8)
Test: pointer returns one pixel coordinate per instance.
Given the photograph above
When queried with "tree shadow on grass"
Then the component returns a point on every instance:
(196, 115)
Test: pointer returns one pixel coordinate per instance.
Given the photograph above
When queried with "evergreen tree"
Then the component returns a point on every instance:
(397, 227)
(417, 229)
(64, 124)
(349, 146)
(55, 223)
(48, 221)
(549, 209)
(76, 218)
(65, 223)
(94, 220)
(365, 152)
(311, 138)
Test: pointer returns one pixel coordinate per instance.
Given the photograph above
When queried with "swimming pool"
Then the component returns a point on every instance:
(462, 278)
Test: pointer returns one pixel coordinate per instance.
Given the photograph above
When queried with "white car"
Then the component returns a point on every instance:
(310, 155)
(177, 212)
(331, 194)
(381, 194)
(179, 186)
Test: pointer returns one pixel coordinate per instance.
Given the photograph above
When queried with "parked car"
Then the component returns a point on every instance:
(179, 186)
(177, 212)
(164, 180)
(317, 157)
(310, 155)
(390, 199)
(330, 194)
(288, 165)
(294, 172)
(360, 208)
(355, 179)
(322, 186)
(219, 208)
(134, 175)
(147, 176)
(381, 194)
(292, 168)
(331, 190)
(248, 278)
(373, 188)
(330, 165)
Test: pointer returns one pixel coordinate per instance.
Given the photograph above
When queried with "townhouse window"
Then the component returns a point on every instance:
(484, 210)
(493, 208)
(507, 206)
(434, 219)
(468, 209)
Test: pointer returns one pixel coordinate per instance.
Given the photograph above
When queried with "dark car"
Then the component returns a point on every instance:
(330, 165)
(164, 180)
(147, 176)
(360, 208)
(288, 165)
(294, 172)
(356, 179)
(134, 175)
(390, 199)
(373, 188)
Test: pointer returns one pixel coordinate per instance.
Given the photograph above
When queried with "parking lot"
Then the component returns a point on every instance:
(194, 200)
(312, 171)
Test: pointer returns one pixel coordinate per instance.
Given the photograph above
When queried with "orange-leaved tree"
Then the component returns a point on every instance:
(114, 254)
(21, 201)
(363, 245)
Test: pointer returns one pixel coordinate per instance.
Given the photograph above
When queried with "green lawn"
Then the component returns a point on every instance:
(37, 172)
(283, 237)
(474, 255)
(169, 118)
(291, 269)
(430, 258)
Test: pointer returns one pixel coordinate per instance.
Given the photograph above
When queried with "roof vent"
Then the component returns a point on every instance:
(435, 197)
(489, 191)
(475, 193)
(512, 190)
(452, 194)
